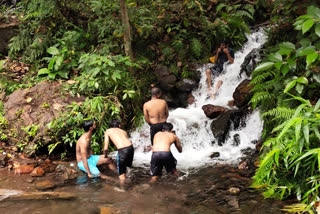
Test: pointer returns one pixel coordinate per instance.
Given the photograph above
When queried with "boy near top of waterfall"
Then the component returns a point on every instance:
(88, 162)
(223, 54)
(119, 138)
(161, 154)
(155, 112)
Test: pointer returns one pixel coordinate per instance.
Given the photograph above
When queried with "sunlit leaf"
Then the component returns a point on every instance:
(264, 66)
(307, 25)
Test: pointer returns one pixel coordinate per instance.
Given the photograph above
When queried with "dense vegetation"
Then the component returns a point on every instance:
(83, 41)
(285, 89)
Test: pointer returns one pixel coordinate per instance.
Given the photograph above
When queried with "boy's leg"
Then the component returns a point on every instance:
(102, 160)
(209, 82)
(154, 179)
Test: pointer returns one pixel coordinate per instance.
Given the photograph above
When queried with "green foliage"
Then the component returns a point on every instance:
(67, 129)
(64, 60)
(290, 164)
(196, 48)
(105, 74)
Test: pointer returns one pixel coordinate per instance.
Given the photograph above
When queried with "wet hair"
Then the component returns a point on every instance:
(167, 127)
(115, 123)
(87, 124)
(155, 91)
(224, 42)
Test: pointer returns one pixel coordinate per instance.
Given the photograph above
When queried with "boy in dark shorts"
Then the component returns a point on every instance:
(155, 112)
(124, 146)
(161, 155)
(223, 54)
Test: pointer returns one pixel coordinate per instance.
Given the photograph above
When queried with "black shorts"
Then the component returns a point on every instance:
(154, 129)
(124, 159)
(216, 70)
(160, 160)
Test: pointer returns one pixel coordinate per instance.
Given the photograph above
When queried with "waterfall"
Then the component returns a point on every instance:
(193, 127)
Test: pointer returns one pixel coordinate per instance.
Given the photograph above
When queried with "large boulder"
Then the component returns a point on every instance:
(186, 85)
(213, 111)
(7, 31)
(242, 94)
(221, 125)
(35, 106)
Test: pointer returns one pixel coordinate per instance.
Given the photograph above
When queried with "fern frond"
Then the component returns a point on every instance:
(196, 47)
(243, 14)
(220, 7)
(280, 113)
(260, 78)
(249, 8)
(260, 97)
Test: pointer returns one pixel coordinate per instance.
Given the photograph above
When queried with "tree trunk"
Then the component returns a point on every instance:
(126, 26)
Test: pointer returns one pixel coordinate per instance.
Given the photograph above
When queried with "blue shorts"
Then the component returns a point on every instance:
(92, 163)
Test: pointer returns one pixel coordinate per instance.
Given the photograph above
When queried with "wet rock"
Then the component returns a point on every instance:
(244, 165)
(213, 111)
(220, 127)
(109, 210)
(21, 113)
(249, 63)
(141, 188)
(41, 196)
(29, 180)
(48, 167)
(68, 171)
(234, 190)
(256, 163)
(233, 202)
(242, 94)
(23, 169)
(231, 103)
(236, 140)
(44, 185)
(254, 142)
(7, 31)
(186, 85)
(4, 158)
(191, 99)
(183, 99)
(248, 151)
(168, 82)
(37, 172)
(215, 155)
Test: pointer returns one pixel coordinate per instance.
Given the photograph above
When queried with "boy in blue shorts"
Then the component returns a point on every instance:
(88, 162)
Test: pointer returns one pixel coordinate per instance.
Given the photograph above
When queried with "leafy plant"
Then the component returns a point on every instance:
(290, 161)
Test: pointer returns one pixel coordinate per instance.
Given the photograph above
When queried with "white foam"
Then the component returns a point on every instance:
(193, 127)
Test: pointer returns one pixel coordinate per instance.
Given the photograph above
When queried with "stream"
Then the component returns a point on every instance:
(206, 185)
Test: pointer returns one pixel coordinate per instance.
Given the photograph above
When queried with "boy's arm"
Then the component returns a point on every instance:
(83, 153)
(145, 113)
(167, 110)
(217, 55)
(177, 143)
(106, 144)
(231, 60)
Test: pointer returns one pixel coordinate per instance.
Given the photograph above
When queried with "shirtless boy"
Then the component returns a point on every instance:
(155, 112)
(161, 155)
(88, 162)
(124, 146)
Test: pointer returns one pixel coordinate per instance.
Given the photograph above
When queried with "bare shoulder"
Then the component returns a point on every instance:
(146, 103)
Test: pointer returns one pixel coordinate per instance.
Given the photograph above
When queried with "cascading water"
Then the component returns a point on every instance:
(193, 127)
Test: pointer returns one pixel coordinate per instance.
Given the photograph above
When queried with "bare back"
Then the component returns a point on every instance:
(163, 140)
(155, 111)
(118, 136)
(83, 145)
